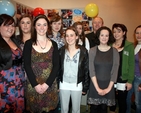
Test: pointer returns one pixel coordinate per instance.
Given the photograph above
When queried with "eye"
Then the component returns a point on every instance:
(28, 22)
(22, 22)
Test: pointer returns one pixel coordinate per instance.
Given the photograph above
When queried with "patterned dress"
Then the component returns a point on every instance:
(12, 87)
(42, 66)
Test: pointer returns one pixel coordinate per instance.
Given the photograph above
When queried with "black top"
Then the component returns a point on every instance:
(92, 39)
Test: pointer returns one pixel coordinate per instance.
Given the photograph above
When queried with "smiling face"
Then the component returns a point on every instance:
(7, 31)
(41, 27)
(56, 26)
(25, 25)
(138, 34)
(97, 23)
(104, 37)
(118, 33)
(71, 37)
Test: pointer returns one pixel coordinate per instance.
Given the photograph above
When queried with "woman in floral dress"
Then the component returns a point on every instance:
(41, 63)
(11, 73)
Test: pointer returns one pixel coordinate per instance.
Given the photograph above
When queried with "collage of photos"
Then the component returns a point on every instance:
(69, 16)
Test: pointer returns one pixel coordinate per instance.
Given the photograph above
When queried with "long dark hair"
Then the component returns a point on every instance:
(82, 36)
(124, 29)
(77, 34)
(20, 30)
(111, 37)
(34, 35)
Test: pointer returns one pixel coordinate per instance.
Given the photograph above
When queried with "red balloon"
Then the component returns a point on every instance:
(38, 11)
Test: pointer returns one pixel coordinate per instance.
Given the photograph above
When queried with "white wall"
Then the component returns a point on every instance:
(127, 12)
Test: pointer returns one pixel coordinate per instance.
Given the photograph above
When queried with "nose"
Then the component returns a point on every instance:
(25, 24)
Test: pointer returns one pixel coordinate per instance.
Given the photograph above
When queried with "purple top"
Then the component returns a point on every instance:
(137, 69)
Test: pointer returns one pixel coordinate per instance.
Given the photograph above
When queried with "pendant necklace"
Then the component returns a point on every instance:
(41, 46)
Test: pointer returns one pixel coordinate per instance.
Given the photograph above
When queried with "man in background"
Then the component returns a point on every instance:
(97, 22)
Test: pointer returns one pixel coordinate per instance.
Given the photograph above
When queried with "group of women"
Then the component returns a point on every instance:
(43, 58)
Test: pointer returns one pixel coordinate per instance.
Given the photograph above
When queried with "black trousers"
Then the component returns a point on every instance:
(121, 98)
(98, 108)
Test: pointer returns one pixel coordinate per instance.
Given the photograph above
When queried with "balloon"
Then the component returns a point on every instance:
(6, 7)
(38, 11)
(91, 10)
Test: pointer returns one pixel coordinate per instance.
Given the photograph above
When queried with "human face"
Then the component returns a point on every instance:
(25, 25)
(97, 23)
(7, 31)
(104, 37)
(56, 26)
(118, 33)
(71, 37)
(79, 29)
(41, 27)
(138, 34)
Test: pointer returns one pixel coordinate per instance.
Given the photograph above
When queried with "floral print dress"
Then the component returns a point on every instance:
(12, 86)
(42, 66)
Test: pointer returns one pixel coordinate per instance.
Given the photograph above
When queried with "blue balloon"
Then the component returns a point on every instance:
(6, 7)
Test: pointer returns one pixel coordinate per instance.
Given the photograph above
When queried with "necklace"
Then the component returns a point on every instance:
(41, 46)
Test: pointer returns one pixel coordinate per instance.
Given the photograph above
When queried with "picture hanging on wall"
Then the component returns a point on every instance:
(69, 16)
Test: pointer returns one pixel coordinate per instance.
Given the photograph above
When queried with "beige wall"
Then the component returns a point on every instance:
(127, 12)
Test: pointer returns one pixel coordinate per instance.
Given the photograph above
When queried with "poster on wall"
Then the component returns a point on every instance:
(69, 16)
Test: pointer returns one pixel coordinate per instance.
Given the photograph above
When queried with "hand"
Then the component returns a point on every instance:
(139, 88)
(83, 93)
(38, 89)
(107, 90)
(44, 87)
(101, 92)
(128, 86)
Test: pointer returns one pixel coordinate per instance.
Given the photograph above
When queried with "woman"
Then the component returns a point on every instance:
(137, 79)
(82, 39)
(41, 63)
(126, 67)
(11, 73)
(25, 28)
(103, 66)
(56, 31)
(74, 74)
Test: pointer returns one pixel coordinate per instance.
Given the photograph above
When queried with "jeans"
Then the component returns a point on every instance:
(128, 100)
(137, 81)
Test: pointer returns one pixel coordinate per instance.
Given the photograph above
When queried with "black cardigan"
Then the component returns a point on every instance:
(27, 64)
(6, 54)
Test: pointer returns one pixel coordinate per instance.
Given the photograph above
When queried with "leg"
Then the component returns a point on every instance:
(128, 100)
(76, 100)
(113, 108)
(94, 108)
(70, 105)
(103, 108)
(137, 81)
(64, 99)
(122, 95)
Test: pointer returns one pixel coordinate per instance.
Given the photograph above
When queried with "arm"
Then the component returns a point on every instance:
(55, 68)
(131, 63)
(92, 54)
(85, 70)
(27, 63)
(114, 71)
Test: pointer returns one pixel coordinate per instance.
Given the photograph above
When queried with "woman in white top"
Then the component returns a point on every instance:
(82, 39)
(74, 71)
